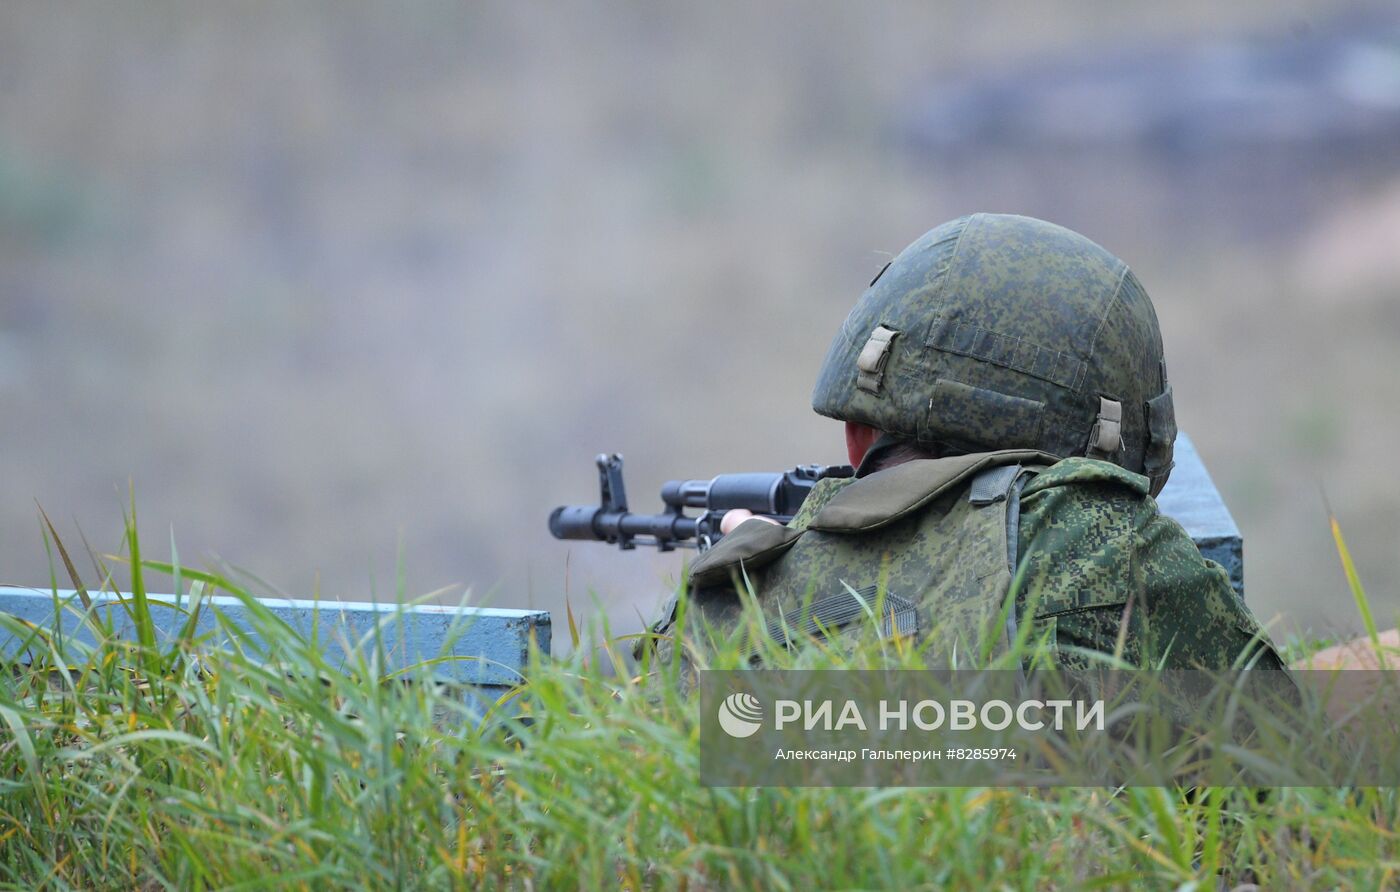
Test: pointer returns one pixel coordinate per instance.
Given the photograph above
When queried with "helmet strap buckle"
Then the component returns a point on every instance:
(873, 356)
(1106, 437)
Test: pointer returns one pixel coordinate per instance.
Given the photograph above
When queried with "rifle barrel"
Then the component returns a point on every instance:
(592, 523)
(777, 496)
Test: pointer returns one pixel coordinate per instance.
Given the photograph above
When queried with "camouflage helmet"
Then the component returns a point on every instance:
(996, 332)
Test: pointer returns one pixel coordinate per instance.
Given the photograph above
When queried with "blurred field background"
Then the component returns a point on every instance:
(336, 285)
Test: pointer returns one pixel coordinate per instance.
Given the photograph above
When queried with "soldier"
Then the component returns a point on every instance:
(1007, 408)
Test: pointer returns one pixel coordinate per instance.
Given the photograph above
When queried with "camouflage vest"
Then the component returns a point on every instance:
(933, 540)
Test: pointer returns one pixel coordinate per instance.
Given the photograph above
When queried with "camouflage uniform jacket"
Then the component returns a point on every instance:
(1097, 562)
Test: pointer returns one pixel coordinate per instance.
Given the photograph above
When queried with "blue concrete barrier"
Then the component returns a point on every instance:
(489, 646)
(1191, 499)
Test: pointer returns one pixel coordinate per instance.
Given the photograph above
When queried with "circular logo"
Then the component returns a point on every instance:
(741, 715)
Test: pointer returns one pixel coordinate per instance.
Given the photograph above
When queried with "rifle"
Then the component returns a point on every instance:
(774, 495)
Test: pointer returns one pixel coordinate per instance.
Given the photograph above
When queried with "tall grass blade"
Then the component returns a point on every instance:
(67, 561)
(1358, 593)
(141, 608)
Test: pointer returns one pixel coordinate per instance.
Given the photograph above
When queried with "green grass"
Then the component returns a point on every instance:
(170, 764)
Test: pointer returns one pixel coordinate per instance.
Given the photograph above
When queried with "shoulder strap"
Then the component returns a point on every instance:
(1004, 482)
(993, 485)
